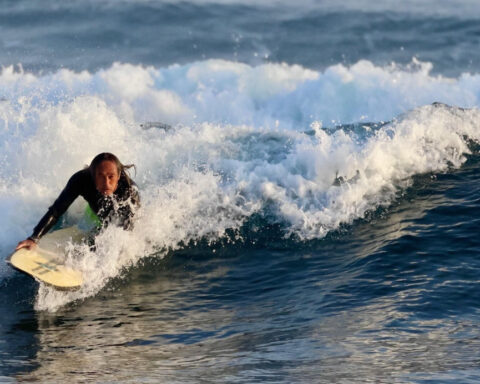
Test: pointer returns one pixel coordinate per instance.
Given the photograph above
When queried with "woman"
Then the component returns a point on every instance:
(107, 188)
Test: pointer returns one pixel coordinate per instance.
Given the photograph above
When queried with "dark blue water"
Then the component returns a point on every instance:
(93, 34)
(390, 298)
(312, 222)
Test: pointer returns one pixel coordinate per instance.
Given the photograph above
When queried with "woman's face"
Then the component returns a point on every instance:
(106, 177)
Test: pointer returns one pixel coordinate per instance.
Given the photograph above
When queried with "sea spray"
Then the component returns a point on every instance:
(225, 174)
(219, 91)
(241, 143)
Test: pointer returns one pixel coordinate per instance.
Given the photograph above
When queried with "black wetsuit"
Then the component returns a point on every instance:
(119, 207)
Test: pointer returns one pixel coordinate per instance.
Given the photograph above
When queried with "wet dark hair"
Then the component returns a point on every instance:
(121, 168)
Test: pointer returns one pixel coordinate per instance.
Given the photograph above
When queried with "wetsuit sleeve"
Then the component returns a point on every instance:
(59, 207)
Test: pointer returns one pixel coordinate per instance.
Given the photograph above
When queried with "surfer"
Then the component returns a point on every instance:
(110, 192)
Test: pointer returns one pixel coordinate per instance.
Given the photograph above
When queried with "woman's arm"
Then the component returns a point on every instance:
(59, 207)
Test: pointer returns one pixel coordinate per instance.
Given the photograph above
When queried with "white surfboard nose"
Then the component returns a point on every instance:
(46, 263)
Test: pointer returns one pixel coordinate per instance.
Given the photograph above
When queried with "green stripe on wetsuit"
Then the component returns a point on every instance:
(92, 216)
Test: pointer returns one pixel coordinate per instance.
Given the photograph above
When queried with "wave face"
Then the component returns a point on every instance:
(307, 150)
(309, 174)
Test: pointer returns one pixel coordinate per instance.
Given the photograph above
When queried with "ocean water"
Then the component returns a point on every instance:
(310, 183)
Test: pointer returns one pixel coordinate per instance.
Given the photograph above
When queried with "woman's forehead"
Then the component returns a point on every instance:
(107, 166)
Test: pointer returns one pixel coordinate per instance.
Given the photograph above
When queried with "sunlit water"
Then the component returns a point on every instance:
(307, 214)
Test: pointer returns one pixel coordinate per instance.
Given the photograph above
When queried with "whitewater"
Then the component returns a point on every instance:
(309, 176)
(309, 150)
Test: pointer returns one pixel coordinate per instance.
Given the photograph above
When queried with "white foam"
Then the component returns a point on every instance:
(238, 147)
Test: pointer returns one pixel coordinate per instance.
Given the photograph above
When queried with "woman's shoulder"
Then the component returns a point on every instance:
(80, 180)
(82, 175)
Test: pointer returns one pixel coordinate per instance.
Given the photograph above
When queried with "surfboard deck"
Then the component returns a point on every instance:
(45, 263)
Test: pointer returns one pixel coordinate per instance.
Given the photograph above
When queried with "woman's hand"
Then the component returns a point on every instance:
(28, 243)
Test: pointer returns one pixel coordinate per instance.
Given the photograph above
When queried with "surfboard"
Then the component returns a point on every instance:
(46, 263)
